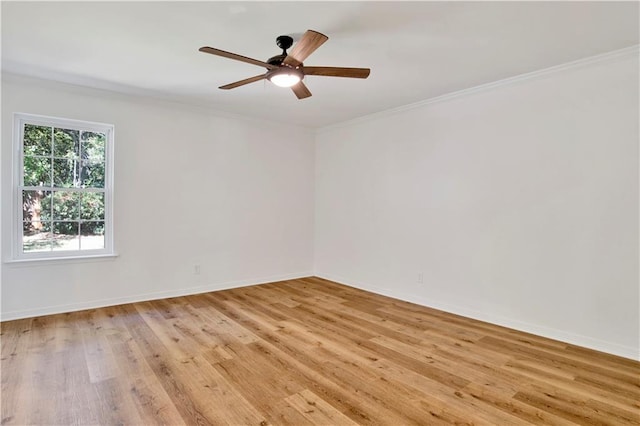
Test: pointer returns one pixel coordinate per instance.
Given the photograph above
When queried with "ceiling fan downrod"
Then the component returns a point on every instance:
(284, 42)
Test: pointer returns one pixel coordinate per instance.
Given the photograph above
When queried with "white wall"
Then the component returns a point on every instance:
(518, 203)
(191, 187)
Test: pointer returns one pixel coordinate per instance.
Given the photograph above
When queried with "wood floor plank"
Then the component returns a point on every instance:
(552, 381)
(316, 410)
(98, 356)
(140, 382)
(514, 407)
(295, 352)
(570, 407)
(589, 370)
(113, 405)
(14, 363)
(221, 402)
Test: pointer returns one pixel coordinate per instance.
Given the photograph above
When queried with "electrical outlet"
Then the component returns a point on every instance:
(196, 269)
(420, 279)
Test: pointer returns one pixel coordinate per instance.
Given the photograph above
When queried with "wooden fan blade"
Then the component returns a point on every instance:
(337, 72)
(243, 82)
(301, 90)
(218, 52)
(308, 44)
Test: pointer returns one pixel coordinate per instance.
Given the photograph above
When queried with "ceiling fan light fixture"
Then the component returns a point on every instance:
(285, 77)
(287, 69)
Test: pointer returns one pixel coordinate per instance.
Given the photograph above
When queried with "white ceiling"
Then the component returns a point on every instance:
(416, 50)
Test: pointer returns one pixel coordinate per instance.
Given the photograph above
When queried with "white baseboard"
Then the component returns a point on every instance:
(72, 307)
(551, 333)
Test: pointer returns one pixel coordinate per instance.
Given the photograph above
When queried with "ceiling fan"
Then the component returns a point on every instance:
(287, 69)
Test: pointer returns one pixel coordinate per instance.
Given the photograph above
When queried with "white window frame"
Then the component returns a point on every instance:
(20, 119)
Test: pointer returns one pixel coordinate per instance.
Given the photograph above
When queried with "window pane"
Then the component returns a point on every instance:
(37, 171)
(37, 140)
(36, 236)
(65, 173)
(65, 236)
(92, 175)
(92, 235)
(93, 145)
(66, 143)
(92, 206)
(66, 205)
(36, 206)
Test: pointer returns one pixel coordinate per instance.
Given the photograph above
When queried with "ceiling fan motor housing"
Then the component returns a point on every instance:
(284, 42)
(276, 60)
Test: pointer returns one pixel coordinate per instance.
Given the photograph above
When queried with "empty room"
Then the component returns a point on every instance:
(322, 213)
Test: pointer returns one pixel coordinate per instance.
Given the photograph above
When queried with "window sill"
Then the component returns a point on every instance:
(57, 260)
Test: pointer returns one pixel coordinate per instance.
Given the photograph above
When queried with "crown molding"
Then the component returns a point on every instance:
(591, 60)
(141, 96)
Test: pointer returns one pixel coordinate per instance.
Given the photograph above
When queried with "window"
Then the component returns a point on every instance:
(64, 191)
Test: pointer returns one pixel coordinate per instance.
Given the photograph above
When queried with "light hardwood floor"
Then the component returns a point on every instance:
(298, 352)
